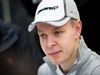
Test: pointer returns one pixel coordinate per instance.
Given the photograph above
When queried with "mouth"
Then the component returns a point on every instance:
(55, 54)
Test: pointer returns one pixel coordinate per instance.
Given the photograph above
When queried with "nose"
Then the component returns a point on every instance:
(51, 42)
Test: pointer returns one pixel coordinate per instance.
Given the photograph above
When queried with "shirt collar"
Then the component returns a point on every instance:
(58, 70)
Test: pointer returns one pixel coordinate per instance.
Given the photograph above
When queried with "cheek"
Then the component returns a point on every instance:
(67, 42)
(68, 48)
(43, 45)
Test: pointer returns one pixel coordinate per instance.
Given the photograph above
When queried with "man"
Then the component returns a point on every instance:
(59, 29)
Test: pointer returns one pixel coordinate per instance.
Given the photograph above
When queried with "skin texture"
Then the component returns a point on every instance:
(60, 43)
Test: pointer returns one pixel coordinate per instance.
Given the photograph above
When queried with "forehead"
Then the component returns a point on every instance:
(42, 26)
(45, 27)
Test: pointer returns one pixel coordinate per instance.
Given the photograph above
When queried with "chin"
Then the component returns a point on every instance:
(55, 62)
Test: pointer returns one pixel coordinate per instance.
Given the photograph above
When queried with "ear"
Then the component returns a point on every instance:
(78, 28)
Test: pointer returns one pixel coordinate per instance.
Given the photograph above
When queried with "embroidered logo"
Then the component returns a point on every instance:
(48, 8)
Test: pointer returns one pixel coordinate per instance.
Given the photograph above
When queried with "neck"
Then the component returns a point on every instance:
(65, 67)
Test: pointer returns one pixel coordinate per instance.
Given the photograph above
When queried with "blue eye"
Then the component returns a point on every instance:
(57, 32)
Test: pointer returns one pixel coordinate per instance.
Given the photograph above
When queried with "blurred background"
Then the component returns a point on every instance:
(21, 13)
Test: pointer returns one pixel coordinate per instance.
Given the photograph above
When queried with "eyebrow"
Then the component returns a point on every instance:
(56, 28)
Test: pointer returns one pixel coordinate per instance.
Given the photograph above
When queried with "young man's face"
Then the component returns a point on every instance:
(58, 43)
